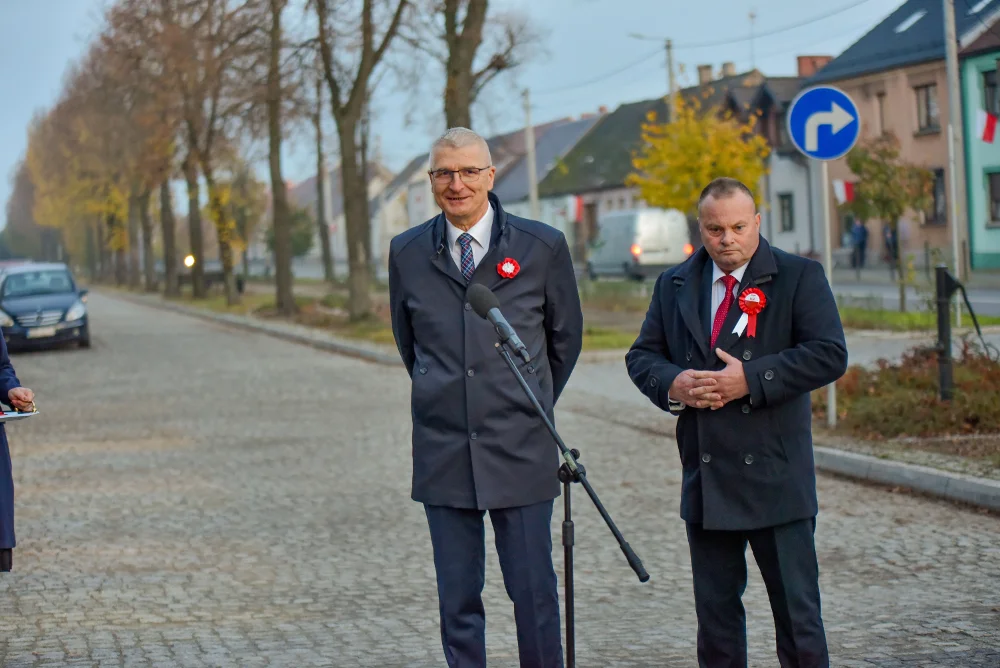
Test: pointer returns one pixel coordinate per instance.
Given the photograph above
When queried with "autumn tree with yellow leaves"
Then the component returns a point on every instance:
(679, 158)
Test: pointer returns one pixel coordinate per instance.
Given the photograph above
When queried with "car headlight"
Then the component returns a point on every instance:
(76, 311)
(6, 320)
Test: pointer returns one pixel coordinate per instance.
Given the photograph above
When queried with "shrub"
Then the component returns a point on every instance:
(902, 399)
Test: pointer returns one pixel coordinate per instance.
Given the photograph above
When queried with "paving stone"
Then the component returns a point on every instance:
(195, 495)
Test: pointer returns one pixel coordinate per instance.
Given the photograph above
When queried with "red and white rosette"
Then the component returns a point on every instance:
(508, 268)
(752, 302)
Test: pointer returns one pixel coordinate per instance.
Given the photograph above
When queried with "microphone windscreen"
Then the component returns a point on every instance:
(482, 299)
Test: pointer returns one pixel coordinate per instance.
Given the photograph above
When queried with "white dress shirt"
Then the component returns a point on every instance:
(719, 288)
(481, 233)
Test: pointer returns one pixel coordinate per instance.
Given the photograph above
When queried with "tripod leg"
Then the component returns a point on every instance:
(567, 539)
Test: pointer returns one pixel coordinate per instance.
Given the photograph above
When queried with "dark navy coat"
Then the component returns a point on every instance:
(8, 381)
(749, 464)
(477, 441)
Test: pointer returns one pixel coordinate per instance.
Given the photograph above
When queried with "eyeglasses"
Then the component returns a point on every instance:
(467, 174)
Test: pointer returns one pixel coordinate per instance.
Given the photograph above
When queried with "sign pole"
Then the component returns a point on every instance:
(824, 124)
(831, 389)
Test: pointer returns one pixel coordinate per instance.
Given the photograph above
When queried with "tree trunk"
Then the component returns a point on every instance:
(363, 135)
(356, 221)
(321, 178)
(284, 297)
(224, 233)
(194, 229)
(148, 258)
(462, 47)
(133, 240)
(168, 227)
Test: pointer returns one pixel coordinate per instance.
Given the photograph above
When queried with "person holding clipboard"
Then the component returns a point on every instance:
(22, 400)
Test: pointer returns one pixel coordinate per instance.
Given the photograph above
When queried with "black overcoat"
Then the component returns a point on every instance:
(477, 441)
(8, 381)
(749, 464)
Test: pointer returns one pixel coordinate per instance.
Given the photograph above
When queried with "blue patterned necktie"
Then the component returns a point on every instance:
(468, 262)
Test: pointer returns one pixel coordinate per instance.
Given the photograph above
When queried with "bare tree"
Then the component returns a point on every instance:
(349, 88)
(472, 45)
(284, 298)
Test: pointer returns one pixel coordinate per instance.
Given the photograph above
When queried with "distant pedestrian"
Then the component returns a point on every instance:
(478, 444)
(734, 341)
(21, 399)
(859, 239)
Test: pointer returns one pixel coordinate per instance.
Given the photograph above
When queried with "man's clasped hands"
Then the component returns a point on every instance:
(711, 389)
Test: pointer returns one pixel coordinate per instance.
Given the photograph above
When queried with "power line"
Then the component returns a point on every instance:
(602, 77)
(736, 40)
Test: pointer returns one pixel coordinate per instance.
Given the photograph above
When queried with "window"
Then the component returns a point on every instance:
(993, 182)
(880, 113)
(787, 212)
(908, 23)
(938, 215)
(781, 136)
(42, 282)
(990, 101)
(927, 107)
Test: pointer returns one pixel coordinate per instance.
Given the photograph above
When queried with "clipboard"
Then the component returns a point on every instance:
(15, 415)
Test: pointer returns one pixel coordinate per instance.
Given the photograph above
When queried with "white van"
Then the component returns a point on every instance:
(639, 243)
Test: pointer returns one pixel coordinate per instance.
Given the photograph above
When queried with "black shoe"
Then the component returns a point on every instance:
(6, 560)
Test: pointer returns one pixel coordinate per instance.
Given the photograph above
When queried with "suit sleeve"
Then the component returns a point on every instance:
(818, 355)
(8, 378)
(563, 317)
(402, 329)
(648, 360)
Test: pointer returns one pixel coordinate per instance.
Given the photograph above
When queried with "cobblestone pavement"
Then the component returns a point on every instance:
(197, 496)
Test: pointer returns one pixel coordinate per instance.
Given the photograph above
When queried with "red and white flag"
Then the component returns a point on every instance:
(843, 191)
(986, 126)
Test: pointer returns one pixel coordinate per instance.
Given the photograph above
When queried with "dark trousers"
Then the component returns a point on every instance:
(786, 556)
(524, 545)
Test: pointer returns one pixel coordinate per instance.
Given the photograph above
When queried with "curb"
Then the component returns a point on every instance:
(981, 492)
(324, 342)
(975, 491)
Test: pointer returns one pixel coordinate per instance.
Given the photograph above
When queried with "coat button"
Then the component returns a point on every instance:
(706, 458)
(468, 306)
(423, 369)
(688, 356)
(471, 373)
(748, 459)
(746, 409)
(652, 381)
(746, 355)
(473, 436)
(768, 375)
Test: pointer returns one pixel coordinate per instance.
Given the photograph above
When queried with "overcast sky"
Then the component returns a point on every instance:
(590, 60)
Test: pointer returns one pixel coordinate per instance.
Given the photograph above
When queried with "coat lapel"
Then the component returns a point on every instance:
(689, 293)
(498, 246)
(759, 274)
(441, 258)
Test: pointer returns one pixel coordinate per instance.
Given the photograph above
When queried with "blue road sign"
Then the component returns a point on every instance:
(823, 123)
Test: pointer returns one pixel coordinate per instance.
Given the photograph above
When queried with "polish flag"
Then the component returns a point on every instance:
(986, 126)
(843, 191)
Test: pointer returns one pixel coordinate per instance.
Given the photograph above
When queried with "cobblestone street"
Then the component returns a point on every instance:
(193, 495)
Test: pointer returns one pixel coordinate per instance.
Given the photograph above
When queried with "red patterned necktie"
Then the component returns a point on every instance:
(727, 301)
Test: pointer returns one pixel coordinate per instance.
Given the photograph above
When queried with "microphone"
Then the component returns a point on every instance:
(487, 306)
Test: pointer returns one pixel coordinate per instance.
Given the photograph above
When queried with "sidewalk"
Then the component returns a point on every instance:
(879, 275)
(979, 491)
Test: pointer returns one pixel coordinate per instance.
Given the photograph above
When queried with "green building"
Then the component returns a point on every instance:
(981, 107)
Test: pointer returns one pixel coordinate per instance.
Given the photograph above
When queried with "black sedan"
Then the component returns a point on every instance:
(41, 306)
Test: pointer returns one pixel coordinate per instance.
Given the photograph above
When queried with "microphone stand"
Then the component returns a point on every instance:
(572, 471)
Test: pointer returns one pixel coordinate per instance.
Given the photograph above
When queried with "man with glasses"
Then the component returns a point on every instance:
(478, 444)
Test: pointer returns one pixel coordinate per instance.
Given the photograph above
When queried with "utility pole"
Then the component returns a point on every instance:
(671, 85)
(753, 17)
(955, 150)
(529, 142)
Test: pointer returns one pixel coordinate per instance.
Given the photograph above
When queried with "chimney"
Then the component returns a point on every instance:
(602, 109)
(810, 65)
(728, 69)
(704, 74)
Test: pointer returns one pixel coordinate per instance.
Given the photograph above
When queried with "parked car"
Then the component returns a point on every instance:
(639, 243)
(41, 305)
